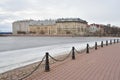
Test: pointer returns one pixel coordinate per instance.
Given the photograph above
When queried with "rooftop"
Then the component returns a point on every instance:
(51, 21)
(70, 20)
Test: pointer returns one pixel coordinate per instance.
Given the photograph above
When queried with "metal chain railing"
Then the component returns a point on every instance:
(92, 47)
(33, 70)
(62, 59)
(80, 52)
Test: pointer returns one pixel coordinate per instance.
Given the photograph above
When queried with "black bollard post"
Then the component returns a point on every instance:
(106, 43)
(114, 41)
(87, 49)
(47, 68)
(117, 40)
(101, 43)
(73, 53)
(110, 42)
(95, 45)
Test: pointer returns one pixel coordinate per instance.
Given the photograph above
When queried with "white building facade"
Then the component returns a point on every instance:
(21, 26)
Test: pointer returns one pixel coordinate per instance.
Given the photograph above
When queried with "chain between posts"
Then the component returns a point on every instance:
(62, 59)
(33, 70)
(80, 52)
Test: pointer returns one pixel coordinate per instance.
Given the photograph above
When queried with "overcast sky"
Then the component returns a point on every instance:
(93, 11)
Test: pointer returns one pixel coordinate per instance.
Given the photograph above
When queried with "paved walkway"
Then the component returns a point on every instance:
(101, 64)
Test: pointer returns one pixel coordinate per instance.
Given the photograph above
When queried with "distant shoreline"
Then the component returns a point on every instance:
(30, 35)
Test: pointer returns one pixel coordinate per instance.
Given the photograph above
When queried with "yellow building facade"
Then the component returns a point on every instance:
(74, 28)
(42, 29)
(61, 27)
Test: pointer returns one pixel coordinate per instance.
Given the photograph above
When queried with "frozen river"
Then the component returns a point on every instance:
(20, 51)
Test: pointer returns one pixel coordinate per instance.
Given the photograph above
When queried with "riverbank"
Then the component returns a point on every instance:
(38, 35)
(30, 50)
(93, 60)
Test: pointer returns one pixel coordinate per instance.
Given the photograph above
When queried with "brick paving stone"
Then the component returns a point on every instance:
(101, 64)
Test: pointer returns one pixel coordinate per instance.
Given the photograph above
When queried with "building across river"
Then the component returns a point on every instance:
(61, 26)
